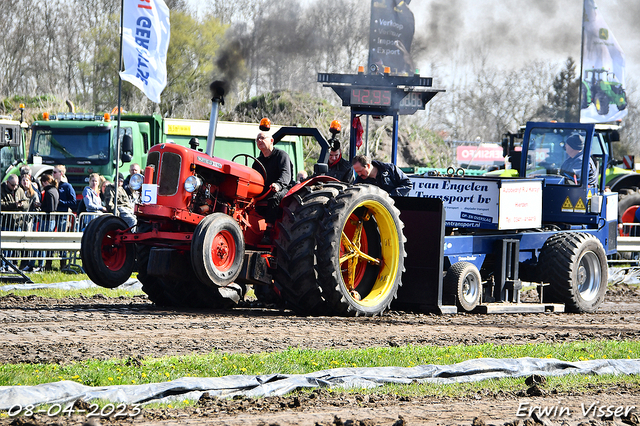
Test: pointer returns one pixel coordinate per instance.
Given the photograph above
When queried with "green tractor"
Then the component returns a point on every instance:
(601, 88)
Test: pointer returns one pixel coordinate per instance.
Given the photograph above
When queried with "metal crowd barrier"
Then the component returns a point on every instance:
(32, 238)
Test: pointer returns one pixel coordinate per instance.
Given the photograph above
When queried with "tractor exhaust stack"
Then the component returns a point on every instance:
(217, 99)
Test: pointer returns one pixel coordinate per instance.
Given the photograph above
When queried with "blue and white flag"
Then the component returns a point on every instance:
(145, 41)
(603, 96)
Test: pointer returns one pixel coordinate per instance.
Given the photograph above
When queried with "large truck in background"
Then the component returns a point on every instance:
(86, 143)
(13, 142)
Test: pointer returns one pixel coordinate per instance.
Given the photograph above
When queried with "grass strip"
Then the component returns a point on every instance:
(297, 361)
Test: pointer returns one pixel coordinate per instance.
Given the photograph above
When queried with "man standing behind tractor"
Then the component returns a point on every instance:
(279, 172)
(384, 175)
(339, 168)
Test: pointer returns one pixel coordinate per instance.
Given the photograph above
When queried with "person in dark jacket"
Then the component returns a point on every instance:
(572, 167)
(279, 174)
(50, 201)
(384, 175)
(67, 193)
(339, 168)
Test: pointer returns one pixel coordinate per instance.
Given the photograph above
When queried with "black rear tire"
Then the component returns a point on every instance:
(296, 247)
(575, 266)
(360, 252)
(108, 263)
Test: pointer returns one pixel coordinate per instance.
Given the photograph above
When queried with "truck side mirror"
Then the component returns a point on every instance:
(126, 148)
(614, 136)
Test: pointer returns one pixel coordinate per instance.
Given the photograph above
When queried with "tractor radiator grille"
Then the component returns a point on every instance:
(169, 174)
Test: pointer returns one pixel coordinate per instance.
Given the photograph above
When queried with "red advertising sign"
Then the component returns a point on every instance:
(479, 154)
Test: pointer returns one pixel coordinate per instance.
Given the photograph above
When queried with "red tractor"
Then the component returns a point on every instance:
(335, 249)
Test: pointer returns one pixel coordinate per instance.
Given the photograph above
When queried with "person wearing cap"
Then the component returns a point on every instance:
(339, 168)
(125, 206)
(572, 166)
(279, 176)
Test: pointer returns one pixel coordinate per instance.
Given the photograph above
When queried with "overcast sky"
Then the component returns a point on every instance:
(512, 32)
(515, 31)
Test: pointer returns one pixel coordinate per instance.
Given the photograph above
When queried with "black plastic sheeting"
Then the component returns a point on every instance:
(191, 388)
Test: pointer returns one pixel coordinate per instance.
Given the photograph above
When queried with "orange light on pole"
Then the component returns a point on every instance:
(265, 124)
(335, 127)
(45, 116)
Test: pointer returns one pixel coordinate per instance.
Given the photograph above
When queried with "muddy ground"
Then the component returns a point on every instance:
(35, 330)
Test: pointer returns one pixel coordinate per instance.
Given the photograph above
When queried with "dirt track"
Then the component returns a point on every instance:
(46, 330)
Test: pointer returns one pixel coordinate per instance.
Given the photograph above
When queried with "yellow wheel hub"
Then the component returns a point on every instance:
(354, 252)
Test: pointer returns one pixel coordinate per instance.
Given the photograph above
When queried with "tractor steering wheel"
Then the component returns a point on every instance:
(262, 170)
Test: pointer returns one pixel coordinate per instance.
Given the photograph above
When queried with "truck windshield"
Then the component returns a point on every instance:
(89, 145)
(9, 156)
(546, 153)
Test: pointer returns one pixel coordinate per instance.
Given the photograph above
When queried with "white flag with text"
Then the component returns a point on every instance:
(603, 96)
(145, 41)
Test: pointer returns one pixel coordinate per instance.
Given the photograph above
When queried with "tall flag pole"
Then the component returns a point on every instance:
(602, 92)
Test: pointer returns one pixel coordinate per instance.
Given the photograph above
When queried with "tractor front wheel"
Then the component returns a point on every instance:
(217, 250)
(107, 261)
(361, 251)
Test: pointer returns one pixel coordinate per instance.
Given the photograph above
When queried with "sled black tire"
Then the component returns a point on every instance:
(360, 252)
(107, 263)
(217, 250)
(183, 292)
(296, 247)
(463, 280)
(575, 266)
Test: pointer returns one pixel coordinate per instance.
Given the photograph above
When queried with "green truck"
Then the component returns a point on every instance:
(13, 142)
(86, 143)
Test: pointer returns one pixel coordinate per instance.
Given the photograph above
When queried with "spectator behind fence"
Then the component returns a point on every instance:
(26, 170)
(30, 225)
(132, 193)
(50, 201)
(91, 195)
(65, 190)
(13, 197)
(125, 206)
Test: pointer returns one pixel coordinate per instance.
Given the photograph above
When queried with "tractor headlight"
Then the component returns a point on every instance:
(135, 182)
(192, 183)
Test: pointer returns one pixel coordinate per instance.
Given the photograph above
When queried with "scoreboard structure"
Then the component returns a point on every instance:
(380, 95)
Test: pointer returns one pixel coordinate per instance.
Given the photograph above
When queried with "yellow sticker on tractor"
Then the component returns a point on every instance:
(580, 207)
(567, 206)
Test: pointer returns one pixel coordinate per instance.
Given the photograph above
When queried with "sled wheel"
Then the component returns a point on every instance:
(296, 245)
(108, 263)
(217, 250)
(575, 266)
(361, 251)
(464, 281)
